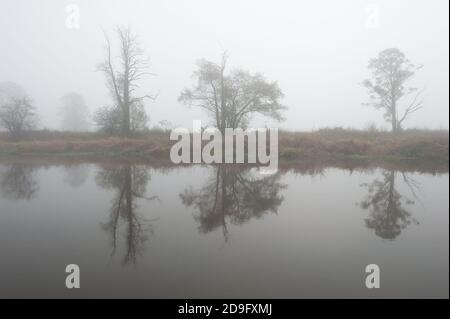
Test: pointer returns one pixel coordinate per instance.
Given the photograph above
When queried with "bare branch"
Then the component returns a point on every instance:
(414, 106)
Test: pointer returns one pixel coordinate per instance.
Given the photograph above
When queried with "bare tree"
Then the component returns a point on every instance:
(123, 78)
(390, 72)
(17, 115)
(74, 112)
(109, 119)
(231, 99)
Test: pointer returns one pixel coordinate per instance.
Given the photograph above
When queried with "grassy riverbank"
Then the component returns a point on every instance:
(322, 145)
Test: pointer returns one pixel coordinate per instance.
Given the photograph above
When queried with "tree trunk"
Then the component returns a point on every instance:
(391, 201)
(126, 89)
(394, 118)
(129, 214)
(222, 111)
(223, 199)
(394, 124)
(222, 105)
(126, 121)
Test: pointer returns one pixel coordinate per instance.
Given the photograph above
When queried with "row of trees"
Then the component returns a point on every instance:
(17, 113)
(229, 98)
(232, 98)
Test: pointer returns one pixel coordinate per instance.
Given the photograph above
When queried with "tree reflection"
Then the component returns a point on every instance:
(233, 195)
(19, 182)
(388, 213)
(76, 175)
(130, 184)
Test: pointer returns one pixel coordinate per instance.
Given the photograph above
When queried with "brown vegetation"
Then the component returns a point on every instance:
(332, 143)
(322, 145)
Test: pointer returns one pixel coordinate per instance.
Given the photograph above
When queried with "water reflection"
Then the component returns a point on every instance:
(76, 175)
(319, 235)
(233, 195)
(389, 214)
(130, 184)
(19, 182)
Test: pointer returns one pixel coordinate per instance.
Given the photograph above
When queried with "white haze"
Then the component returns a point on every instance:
(317, 51)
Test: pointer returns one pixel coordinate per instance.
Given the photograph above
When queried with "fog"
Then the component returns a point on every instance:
(317, 51)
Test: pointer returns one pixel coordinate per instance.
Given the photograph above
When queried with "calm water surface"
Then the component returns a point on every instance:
(210, 232)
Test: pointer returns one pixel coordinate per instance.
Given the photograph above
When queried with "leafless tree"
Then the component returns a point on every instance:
(231, 99)
(124, 74)
(17, 115)
(390, 72)
(109, 119)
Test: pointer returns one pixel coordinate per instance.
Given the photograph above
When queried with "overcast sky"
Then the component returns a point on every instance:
(317, 51)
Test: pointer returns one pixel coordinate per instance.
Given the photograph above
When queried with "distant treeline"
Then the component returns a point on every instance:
(231, 98)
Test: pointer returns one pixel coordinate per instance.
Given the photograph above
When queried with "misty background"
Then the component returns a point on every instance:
(317, 51)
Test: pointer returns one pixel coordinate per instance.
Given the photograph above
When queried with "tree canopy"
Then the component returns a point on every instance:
(232, 99)
(390, 72)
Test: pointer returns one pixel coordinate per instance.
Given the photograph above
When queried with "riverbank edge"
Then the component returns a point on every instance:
(302, 165)
(424, 148)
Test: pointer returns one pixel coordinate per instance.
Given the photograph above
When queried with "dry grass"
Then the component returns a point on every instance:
(324, 144)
